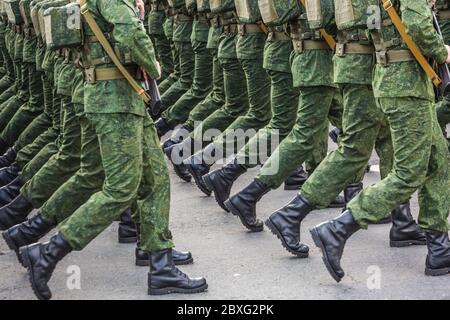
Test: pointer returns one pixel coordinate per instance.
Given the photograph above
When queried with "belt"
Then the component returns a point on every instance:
(230, 28)
(301, 46)
(94, 74)
(201, 17)
(444, 15)
(157, 7)
(278, 36)
(394, 56)
(249, 28)
(353, 48)
(183, 17)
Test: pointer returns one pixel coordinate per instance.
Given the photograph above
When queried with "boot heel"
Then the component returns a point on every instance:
(276, 233)
(406, 243)
(142, 263)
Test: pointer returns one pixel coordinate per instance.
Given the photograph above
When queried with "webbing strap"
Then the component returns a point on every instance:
(329, 39)
(397, 21)
(110, 51)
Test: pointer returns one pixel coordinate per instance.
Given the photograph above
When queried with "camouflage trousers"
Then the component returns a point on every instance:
(284, 102)
(135, 170)
(420, 163)
(236, 101)
(443, 115)
(317, 105)
(184, 81)
(28, 111)
(213, 101)
(164, 53)
(364, 127)
(173, 76)
(62, 165)
(201, 86)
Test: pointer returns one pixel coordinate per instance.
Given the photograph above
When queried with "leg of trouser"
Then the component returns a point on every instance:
(416, 159)
(37, 127)
(201, 86)
(184, 82)
(154, 194)
(284, 102)
(41, 158)
(162, 45)
(61, 166)
(120, 141)
(83, 184)
(10, 108)
(434, 196)
(213, 101)
(19, 122)
(384, 148)
(9, 92)
(236, 100)
(360, 128)
(313, 109)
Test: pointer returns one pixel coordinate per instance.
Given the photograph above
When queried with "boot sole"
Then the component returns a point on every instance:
(277, 233)
(145, 263)
(27, 264)
(210, 186)
(319, 244)
(197, 181)
(292, 187)
(11, 245)
(159, 292)
(236, 212)
(128, 240)
(436, 272)
(406, 243)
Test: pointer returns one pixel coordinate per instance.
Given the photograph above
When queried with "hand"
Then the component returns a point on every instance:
(448, 54)
(158, 68)
(141, 6)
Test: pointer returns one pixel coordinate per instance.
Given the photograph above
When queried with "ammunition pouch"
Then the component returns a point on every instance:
(301, 46)
(93, 74)
(386, 58)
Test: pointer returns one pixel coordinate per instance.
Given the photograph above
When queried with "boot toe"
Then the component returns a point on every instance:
(182, 258)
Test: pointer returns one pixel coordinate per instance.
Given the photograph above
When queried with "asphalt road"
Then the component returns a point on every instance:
(236, 263)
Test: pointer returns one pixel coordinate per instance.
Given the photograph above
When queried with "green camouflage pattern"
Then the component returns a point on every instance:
(247, 11)
(63, 26)
(220, 6)
(278, 12)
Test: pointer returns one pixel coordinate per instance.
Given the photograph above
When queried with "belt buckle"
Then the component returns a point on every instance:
(241, 29)
(340, 49)
(382, 58)
(271, 36)
(90, 75)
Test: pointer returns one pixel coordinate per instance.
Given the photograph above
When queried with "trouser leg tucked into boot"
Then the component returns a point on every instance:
(40, 260)
(15, 212)
(164, 277)
(8, 158)
(9, 192)
(331, 237)
(127, 228)
(438, 258)
(199, 164)
(285, 224)
(296, 179)
(243, 205)
(221, 180)
(405, 231)
(27, 233)
(178, 136)
(162, 127)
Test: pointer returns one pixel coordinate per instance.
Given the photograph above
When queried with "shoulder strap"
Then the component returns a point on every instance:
(397, 21)
(110, 51)
(328, 39)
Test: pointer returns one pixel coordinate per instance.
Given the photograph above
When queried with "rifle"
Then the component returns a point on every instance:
(442, 69)
(151, 87)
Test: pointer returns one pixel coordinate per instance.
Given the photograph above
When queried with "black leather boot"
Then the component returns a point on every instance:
(179, 257)
(164, 277)
(338, 202)
(175, 153)
(9, 192)
(8, 174)
(243, 205)
(285, 224)
(162, 127)
(334, 134)
(40, 260)
(296, 179)
(405, 231)
(177, 137)
(221, 180)
(15, 212)
(26, 233)
(352, 190)
(331, 237)
(127, 228)
(8, 158)
(438, 258)
(198, 165)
